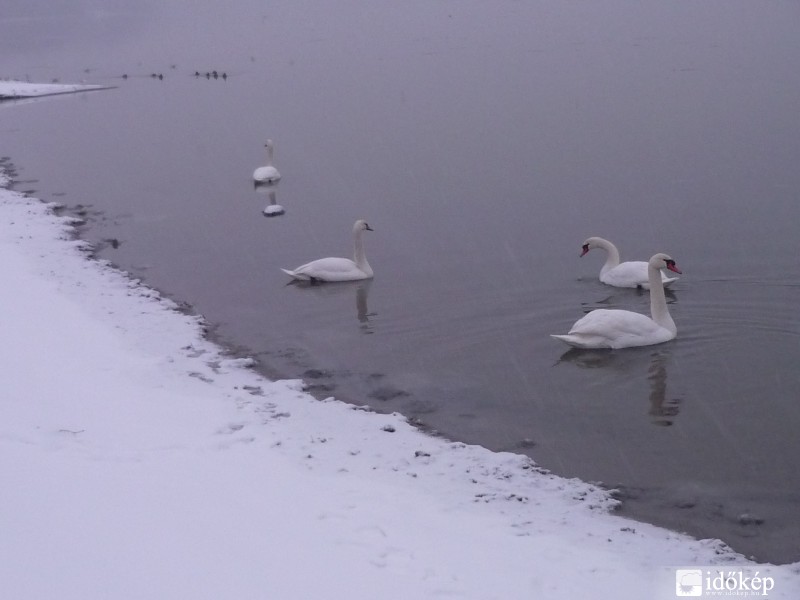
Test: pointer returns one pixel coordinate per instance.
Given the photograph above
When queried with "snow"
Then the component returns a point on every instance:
(10, 89)
(139, 460)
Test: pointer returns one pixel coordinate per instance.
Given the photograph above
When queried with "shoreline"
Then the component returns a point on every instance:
(11, 89)
(372, 472)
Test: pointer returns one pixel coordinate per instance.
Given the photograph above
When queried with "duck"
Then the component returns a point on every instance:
(338, 269)
(268, 173)
(613, 328)
(629, 274)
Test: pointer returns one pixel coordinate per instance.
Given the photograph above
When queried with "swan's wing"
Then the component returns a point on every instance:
(329, 269)
(632, 273)
(607, 328)
(267, 173)
(327, 265)
(612, 322)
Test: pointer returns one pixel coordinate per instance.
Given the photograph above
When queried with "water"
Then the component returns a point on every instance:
(483, 142)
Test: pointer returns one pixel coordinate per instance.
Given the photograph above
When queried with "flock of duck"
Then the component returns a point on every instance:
(601, 328)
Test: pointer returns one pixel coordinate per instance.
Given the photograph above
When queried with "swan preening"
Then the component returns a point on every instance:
(338, 269)
(604, 328)
(630, 274)
(267, 173)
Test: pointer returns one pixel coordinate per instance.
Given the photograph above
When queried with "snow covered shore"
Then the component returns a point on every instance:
(139, 461)
(10, 89)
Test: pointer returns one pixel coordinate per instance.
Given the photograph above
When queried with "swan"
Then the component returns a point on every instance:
(629, 274)
(605, 328)
(268, 173)
(338, 269)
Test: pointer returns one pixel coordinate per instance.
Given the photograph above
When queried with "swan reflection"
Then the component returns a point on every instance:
(662, 410)
(630, 364)
(362, 310)
(328, 291)
(273, 209)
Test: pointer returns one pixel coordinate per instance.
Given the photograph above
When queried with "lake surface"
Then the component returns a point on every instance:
(483, 142)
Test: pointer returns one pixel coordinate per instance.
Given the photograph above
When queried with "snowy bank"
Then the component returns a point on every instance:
(139, 461)
(10, 89)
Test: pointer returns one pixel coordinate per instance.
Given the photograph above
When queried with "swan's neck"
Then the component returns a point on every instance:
(359, 256)
(269, 155)
(612, 260)
(658, 301)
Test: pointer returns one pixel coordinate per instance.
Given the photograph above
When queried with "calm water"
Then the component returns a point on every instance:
(483, 142)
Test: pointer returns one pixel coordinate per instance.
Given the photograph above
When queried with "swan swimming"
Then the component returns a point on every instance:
(268, 173)
(338, 269)
(610, 328)
(629, 274)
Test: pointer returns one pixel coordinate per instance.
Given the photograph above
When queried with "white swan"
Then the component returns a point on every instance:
(338, 269)
(268, 173)
(630, 274)
(604, 328)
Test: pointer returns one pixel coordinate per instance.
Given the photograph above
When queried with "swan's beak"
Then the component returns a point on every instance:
(585, 250)
(672, 267)
(368, 228)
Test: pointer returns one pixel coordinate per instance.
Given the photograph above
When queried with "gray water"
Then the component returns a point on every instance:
(483, 142)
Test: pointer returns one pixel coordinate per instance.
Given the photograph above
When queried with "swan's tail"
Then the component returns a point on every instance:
(669, 280)
(580, 341)
(586, 341)
(295, 275)
(567, 339)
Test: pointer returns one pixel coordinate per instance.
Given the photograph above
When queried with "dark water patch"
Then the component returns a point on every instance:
(701, 510)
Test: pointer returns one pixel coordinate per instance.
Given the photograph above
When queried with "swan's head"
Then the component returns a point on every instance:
(362, 225)
(268, 144)
(664, 261)
(592, 242)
